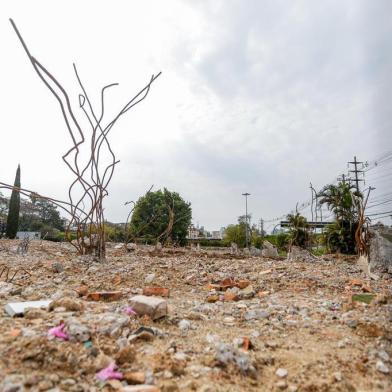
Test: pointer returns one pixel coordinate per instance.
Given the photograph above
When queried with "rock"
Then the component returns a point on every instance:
(6, 289)
(19, 308)
(76, 331)
(69, 304)
(169, 386)
(256, 314)
(381, 367)
(34, 313)
(149, 278)
(229, 320)
(281, 385)
(134, 377)
(298, 254)
(12, 383)
(269, 250)
(112, 323)
(140, 388)
(281, 372)
(150, 306)
(227, 354)
(44, 385)
(383, 355)
(126, 355)
(380, 255)
(247, 293)
(57, 268)
(184, 325)
(82, 290)
(337, 376)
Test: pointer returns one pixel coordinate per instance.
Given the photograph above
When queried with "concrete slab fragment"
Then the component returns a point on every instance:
(18, 308)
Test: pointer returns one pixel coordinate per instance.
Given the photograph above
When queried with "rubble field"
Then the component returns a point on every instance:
(191, 320)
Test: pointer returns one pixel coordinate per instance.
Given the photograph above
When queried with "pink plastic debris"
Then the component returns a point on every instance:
(130, 311)
(58, 332)
(109, 373)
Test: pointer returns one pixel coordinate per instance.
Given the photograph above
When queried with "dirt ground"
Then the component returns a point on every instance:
(290, 326)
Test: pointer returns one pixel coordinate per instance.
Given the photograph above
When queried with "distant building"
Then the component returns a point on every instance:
(32, 235)
(216, 235)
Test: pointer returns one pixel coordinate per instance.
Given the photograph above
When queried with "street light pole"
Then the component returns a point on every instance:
(246, 194)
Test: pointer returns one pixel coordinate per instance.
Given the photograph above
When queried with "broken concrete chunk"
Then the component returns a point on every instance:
(150, 306)
(19, 308)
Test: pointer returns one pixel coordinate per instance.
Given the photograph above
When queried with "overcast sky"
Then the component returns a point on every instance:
(255, 96)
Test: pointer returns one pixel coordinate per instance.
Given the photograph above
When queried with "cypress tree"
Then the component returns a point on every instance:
(14, 207)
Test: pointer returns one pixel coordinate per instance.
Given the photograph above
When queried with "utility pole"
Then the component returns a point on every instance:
(356, 171)
(261, 228)
(246, 194)
(343, 178)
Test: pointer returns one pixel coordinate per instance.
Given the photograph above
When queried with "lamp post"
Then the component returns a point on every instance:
(246, 194)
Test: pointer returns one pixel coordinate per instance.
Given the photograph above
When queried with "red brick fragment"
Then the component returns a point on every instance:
(105, 296)
(158, 291)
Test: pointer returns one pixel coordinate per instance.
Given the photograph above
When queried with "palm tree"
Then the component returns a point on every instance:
(340, 199)
(299, 230)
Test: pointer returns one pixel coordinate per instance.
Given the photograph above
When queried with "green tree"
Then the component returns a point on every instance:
(340, 199)
(40, 215)
(237, 233)
(161, 216)
(299, 230)
(14, 207)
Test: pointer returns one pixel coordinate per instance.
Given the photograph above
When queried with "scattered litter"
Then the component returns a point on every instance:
(58, 332)
(130, 311)
(365, 297)
(109, 373)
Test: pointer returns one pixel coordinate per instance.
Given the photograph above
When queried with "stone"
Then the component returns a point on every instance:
(380, 254)
(151, 306)
(68, 303)
(227, 354)
(57, 268)
(134, 377)
(77, 332)
(281, 372)
(269, 250)
(256, 314)
(156, 291)
(184, 325)
(381, 367)
(19, 308)
(112, 324)
(383, 355)
(281, 385)
(105, 296)
(169, 386)
(247, 293)
(298, 254)
(149, 278)
(140, 388)
(12, 383)
(82, 290)
(6, 289)
(131, 247)
(126, 355)
(34, 313)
